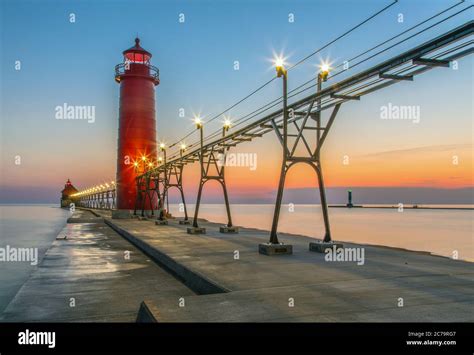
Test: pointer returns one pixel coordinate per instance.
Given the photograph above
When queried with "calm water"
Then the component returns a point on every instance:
(436, 231)
(33, 226)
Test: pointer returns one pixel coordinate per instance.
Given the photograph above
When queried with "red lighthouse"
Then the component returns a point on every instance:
(137, 124)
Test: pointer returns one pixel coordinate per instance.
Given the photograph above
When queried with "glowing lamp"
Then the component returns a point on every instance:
(198, 122)
(324, 71)
(279, 66)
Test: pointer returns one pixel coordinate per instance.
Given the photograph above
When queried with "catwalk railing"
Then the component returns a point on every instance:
(98, 197)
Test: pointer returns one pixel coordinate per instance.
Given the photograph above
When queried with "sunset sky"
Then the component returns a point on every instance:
(73, 63)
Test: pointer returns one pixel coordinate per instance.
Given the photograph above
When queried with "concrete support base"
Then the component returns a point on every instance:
(226, 229)
(321, 247)
(275, 249)
(161, 222)
(184, 221)
(121, 214)
(196, 230)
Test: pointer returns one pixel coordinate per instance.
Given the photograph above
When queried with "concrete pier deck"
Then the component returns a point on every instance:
(199, 278)
(90, 268)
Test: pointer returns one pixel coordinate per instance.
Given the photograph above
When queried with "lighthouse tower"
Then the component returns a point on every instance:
(137, 124)
(66, 194)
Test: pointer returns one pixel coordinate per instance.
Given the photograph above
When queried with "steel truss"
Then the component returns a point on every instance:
(299, 115)
(212, 167)
(148, 189)
(173, 177)
(302, 146)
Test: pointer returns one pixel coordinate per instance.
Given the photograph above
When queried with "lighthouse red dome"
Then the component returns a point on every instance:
(137, 54)
(69, 189)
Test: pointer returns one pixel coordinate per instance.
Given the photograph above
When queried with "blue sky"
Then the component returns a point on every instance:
(64, 62)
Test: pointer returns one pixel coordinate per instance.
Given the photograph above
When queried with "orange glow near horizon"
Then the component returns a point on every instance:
(433, 167)
(424, 167)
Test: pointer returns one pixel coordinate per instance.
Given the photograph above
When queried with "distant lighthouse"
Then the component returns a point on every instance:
(66, 194)
(349, 199)
(137, 124)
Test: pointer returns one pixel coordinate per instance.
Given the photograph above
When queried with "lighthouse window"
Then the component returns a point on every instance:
(137, 57)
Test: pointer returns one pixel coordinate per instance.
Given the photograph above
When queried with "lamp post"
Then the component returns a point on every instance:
(163, 149)
(179, 181)
(322, 77)
(198, 122)
(161, 220)
(226, 126)
(195, 229)
(165, 190)
(281, 73)
(274, 247)
(141, 165)
(229, 228)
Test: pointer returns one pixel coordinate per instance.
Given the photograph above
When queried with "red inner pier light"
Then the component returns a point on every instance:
(137, 150)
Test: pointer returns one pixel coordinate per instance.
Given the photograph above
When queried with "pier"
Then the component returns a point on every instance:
(173, 276)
